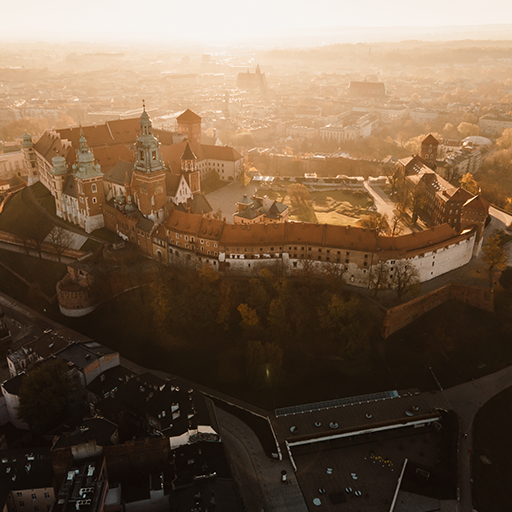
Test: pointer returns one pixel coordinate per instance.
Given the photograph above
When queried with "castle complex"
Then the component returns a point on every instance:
(153, 199)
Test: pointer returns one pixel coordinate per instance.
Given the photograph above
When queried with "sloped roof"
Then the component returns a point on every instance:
(253, 234)
(199, 204)
(249, 214)
(70, 187)
(211, 228)
(50, 145)
(184, 222)
(145, 224)
(188, 117)
(430, 139)
(477, 203)
(172, 154)
(118, 173)
(188, 154)
(417, 241)
(109, 156)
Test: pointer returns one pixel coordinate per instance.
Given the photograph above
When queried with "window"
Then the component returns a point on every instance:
(94, 200)
(177, 236)
(94, 188)
(33, 496)
(19, 494)
(22, 503)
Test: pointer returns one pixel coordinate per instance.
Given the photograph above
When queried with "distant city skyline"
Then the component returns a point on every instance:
(226, 21)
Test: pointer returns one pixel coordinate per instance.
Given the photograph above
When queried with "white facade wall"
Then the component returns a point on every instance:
(435, 263)
(12, 164)
(183, 192)
(12, 404)
(31, 500)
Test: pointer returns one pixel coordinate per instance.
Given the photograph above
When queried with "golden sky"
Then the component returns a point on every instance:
(228, 20)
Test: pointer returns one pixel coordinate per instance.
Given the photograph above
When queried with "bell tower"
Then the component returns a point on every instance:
(148, 179)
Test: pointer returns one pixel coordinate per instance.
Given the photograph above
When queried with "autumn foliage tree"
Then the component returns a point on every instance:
(494, 253)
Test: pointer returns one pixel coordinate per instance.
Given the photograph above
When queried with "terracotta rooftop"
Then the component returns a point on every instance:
(189, 117)
(430, 139)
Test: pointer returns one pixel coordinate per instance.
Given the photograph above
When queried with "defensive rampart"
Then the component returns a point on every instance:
(400, 316)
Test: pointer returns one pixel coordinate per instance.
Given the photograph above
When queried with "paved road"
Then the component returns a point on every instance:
(226, 197)
(32, 252)
(466, 400)
(258, 476)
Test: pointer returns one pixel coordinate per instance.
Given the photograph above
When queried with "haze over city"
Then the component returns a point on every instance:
(265, 22)
(255, 256)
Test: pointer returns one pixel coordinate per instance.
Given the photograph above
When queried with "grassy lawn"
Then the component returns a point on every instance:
(492, 439)
(331, 207)
(45, 273)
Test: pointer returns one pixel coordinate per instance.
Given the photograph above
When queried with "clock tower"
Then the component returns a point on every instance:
(148, 179)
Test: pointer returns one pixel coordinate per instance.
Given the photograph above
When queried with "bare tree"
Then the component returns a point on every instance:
(405, 278)
(334, 273)
(376, 222)
(307, 267)
(60, 239)
(38, 232)
(396, 226)
(380, 277)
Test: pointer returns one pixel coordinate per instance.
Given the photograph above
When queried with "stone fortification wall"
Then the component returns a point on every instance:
(74, 300)
(17, 240)
(400, 316)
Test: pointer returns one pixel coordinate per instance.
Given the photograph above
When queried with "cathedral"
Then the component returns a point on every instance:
(122, 177)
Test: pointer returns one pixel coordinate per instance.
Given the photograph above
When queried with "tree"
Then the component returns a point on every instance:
(405, 278)
(380, 277)
(44, 394)
(60, 239)
(334, 273)
(37, 233)
(376, 222)
(468, 129)
(299, 194)
(468, 182)
(396, 226)
(494, 254)
(250, 319)
(505, 141)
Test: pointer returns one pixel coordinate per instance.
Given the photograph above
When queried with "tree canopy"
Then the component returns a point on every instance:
(43, 394)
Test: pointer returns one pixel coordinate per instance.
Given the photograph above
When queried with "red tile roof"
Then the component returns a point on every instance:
(430, 139)
(415, 242)
(172, 154)
(188, 117)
